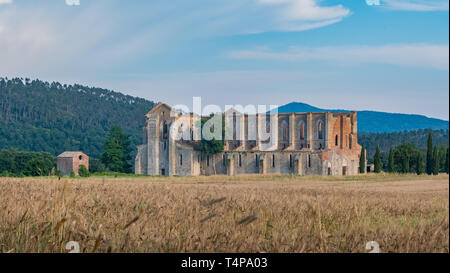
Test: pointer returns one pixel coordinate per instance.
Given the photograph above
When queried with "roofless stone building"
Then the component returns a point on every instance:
(302, 144)
(72, 161)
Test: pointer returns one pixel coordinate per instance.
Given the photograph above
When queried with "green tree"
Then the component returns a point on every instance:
(96, 166)
(72, 174)
(435, 161)
(405, 162)
(391, 163)
(36, 167)
(377, 161)
(117, 156)
(447, 161)
(362, 161)
(214, 146)
(83, 171)
(420, 167)
(430, 158)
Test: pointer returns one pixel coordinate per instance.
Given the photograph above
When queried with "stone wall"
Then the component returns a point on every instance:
(314, 154)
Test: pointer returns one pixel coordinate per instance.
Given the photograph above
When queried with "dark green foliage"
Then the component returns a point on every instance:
(14, 163)
(405, 162)
(96, 166)
(83, 171)
(435, 165)
(386, 141)
(377, 161)
(391, 164)
(117, 155)
(420, 167)
(446, 167)
(72, 174)
(430, 159)
(362, 161)
(50, 117)
(405, 157)
(212, 146)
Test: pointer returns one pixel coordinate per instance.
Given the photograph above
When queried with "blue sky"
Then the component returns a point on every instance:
(332, 54)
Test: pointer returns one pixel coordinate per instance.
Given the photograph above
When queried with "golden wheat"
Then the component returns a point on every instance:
(403, 213)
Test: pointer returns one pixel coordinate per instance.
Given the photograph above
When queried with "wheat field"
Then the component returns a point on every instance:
(402, 213)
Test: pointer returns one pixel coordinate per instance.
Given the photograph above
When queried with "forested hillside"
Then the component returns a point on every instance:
(51, 117)
(385, 141)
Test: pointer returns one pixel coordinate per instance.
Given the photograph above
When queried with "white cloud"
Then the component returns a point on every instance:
(57, 38)
(308, 10)
(417, 5)
(6, 1)
(411, 55)
(298, 15)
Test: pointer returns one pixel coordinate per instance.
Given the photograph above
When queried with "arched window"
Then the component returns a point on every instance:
(165, 131)
(181, 160)
(268, 124)
(337, 140)
(302, 131)
(240, 160)
(320, 130)
(285, 132)
(350, 141)
(290, 162)
(273, 161)
(309, 161)
(234, 127)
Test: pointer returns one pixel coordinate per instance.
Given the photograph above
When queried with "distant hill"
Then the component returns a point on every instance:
(51, 117)
(376, 122)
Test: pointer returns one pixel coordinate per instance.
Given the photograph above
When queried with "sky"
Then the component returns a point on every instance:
(382, 55)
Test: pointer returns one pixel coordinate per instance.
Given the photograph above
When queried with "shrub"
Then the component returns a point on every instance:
(83, 171)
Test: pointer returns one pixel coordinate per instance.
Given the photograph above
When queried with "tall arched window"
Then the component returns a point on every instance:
(285, 132)
(337, 140)
(234, 127)
(181, 160)
(350, 141)
(320, 129)
(165, 131)
(302, 131)
(273, 161)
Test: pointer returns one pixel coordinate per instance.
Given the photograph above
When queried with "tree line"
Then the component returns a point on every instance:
(116, 157)
(39, 116)
(407, 158)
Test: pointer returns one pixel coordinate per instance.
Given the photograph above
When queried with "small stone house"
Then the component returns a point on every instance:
(72, 161)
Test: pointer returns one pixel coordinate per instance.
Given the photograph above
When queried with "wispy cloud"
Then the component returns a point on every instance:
(96, 35)
(417, 5)
(414, 55)
(295, 15)
(6, 1)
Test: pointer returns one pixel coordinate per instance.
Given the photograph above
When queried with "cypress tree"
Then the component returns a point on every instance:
(420, 167)
(377, 161)
(447, 161)
(405, 162)
(362, 161)
(435, 161)
(430, 155)
(391, 166)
